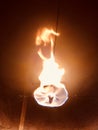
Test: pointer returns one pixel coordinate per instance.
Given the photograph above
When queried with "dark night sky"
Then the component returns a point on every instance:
(76, 51)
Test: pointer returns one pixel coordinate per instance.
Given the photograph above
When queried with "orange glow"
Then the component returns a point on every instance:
(52, 92)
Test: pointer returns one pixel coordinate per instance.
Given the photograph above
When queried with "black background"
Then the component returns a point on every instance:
(20, 66)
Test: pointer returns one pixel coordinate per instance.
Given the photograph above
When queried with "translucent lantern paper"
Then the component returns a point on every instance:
(51, 92)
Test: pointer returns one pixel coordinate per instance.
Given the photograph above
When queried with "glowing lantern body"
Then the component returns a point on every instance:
(51, 92)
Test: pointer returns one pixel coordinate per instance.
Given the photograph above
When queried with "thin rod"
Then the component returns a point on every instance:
(58, 11)
(57, 21)
(23, 113)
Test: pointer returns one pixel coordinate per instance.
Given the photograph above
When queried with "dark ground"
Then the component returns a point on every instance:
(76, 51)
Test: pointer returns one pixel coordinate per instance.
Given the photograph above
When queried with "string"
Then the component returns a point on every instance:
(57, 22)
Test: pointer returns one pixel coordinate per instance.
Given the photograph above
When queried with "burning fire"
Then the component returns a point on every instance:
(51, 92)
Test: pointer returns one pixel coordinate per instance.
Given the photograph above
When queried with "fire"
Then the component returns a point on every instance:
(45, 35)
(51, 92)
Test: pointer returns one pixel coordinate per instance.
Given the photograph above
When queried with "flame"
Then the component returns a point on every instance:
(51, 92)
(44, 36)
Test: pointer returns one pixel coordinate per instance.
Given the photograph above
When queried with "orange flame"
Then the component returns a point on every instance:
(45, 35)
(52, 92)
